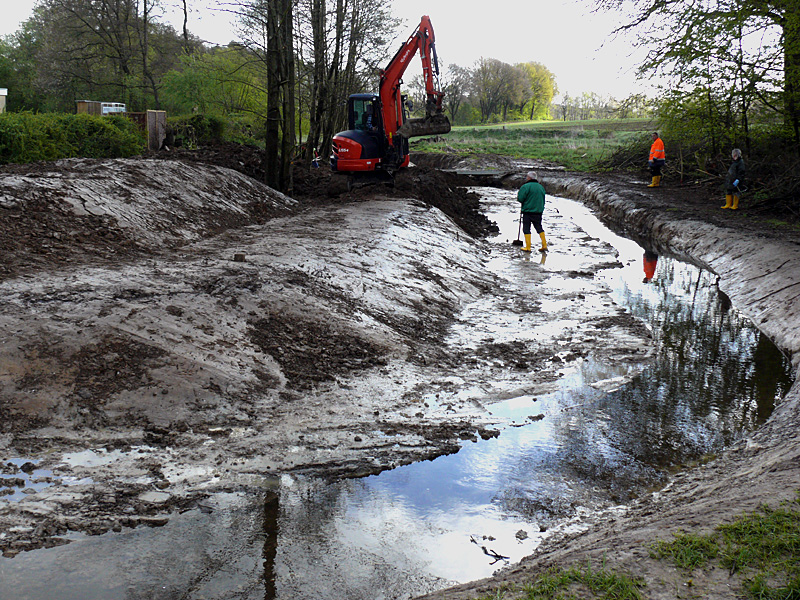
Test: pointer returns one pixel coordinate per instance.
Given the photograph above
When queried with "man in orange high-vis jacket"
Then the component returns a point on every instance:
(657, 159)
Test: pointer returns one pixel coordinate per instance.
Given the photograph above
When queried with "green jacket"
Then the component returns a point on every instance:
(531, 196)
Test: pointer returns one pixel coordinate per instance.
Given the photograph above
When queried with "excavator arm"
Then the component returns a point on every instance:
(435, 122)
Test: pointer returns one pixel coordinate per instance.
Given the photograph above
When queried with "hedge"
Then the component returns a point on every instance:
(26, 137)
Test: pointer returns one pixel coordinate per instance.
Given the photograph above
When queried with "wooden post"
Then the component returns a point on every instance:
(156, 129)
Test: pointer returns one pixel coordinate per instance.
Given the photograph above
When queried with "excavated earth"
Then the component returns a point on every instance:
(171, 328)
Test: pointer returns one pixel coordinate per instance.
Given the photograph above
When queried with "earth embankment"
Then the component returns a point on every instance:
(171, 329)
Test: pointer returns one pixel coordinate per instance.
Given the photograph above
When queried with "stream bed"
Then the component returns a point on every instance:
(604, 434)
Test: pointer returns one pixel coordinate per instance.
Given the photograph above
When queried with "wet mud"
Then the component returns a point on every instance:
(216, 353)
(173, 331)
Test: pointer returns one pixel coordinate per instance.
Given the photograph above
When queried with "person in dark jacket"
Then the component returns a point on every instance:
(734, 180)
(531, 197)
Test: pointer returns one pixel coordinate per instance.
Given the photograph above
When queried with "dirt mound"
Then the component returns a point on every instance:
(238, 157)
(313, 186)
(76, 211)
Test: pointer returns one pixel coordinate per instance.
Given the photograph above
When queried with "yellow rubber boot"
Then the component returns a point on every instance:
(544, 243)
(735, 202)
(654, 183)
(728, 199)
(527, 246)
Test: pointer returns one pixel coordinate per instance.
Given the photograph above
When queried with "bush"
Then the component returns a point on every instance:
(28, 137)
(197, 130)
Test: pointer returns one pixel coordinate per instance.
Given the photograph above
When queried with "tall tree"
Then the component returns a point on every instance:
(455, 82)
(342, 44)
(541, 88)
(488, 85)
(100, 49)
(748, 48)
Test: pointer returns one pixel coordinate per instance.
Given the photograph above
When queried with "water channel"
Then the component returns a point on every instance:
(606, 434)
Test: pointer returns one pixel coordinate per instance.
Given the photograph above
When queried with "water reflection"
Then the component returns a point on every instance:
(649, 262)
(715, 377)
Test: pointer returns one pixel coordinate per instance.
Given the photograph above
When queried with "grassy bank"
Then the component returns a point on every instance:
(759, 552)
(578, 145)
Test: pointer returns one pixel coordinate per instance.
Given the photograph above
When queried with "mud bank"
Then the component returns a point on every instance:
(760, 271)
(171, 341)
(150, 360)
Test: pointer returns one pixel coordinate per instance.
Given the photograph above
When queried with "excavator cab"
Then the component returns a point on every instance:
(364, 113)
(364, 146)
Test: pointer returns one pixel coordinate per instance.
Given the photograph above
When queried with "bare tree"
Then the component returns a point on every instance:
(111, 47)
(487, 85)
(455, 82)
(348, 45)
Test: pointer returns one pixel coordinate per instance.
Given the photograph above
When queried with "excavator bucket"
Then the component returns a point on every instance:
(434, 125)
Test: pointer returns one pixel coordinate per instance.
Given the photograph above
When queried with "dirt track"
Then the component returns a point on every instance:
(237, 333)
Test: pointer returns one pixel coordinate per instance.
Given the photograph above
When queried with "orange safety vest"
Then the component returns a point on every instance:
(657, 150)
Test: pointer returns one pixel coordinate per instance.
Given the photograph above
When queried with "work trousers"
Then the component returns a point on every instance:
(655, 167)
(531, 218)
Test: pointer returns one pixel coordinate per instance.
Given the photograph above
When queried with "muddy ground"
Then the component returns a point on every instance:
(170, 328)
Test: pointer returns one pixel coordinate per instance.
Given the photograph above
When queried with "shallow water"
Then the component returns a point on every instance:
(607, 433)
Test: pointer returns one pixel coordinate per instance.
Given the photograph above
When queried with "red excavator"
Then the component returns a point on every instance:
(376, 143)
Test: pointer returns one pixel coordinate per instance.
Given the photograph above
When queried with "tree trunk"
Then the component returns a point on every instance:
(186, 46)
(288, 80)
(336, 87)
(318, 87)
(273, 125)
(791, 35)
(280, 134)
(144, 41)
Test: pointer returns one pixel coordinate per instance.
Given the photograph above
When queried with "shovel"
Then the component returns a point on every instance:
(518, 242)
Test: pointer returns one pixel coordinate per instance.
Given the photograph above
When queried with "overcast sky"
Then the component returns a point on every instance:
(572, 42)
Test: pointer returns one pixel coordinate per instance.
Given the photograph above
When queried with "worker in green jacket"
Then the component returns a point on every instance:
(531, 197)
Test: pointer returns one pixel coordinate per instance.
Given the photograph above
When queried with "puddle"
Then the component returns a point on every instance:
(607, 432)
(20, 477)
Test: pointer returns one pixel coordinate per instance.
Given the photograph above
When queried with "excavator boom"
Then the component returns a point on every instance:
(435, 121)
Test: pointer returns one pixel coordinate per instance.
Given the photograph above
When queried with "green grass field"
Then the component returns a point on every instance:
(577, 145)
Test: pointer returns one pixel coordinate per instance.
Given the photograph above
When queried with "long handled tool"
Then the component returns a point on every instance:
(518, 242)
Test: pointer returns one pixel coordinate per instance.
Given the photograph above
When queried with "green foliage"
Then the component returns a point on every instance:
(244, 129)
(763, 548)
(686, 551)
(197, 130)
(541, 87)
(588, 583)
(218, 81)
(26, 137)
